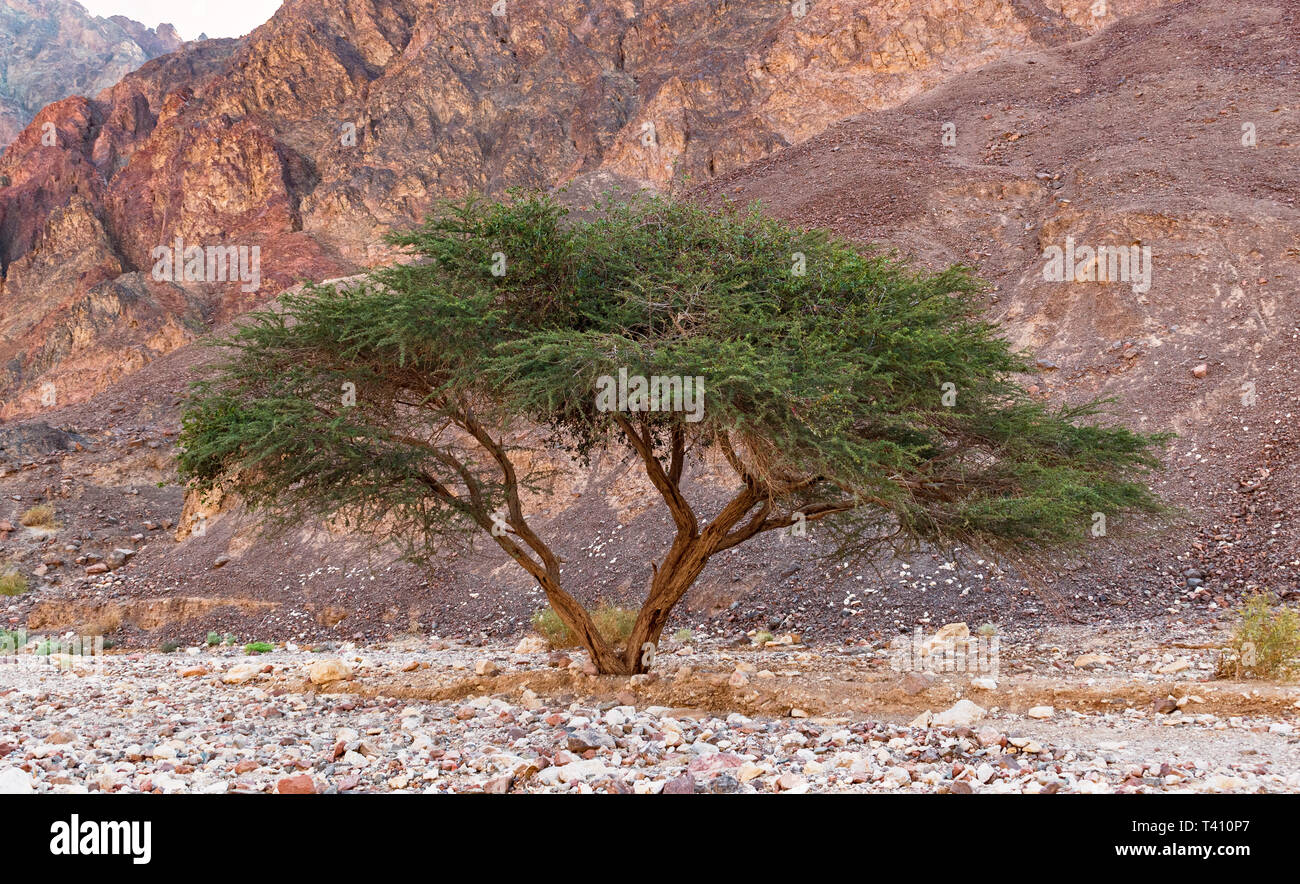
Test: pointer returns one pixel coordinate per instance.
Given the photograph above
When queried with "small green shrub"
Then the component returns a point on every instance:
(214, 639)
(258, 648)
(988, 630)
(612, 622)
(1265, 644)
(12, 584)
(762, 637)
(169, 647)
(684, 635)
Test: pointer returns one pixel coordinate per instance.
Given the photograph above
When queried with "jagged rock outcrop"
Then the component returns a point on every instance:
(50, 49)
(340, 119)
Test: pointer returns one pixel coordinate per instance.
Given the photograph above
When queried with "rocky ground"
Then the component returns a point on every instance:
(1069, 712)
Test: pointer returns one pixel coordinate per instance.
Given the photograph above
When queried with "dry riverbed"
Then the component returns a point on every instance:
(1069, 711)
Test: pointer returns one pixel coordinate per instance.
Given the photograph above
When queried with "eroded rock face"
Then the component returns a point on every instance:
(340, 119)
(50, 49)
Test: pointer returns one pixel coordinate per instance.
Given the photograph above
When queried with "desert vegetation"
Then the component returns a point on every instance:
(838, 385)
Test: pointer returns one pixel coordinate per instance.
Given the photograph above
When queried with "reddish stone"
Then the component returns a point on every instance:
(296, 785)
(683, 785)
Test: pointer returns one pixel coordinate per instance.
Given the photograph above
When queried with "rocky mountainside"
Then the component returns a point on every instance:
(1173, 129)
(50, 49)
(1149, 136)
(340, 119)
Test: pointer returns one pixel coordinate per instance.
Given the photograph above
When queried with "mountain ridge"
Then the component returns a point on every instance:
(50, 49)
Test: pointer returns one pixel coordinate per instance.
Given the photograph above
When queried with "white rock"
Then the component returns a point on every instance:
(326, 671)
(532, 644)
(243, 672)
(963, 713)
(1041, 712)
(574, 770)
(1221, 783)
(948, 637)
(14, 781)
(897, 777)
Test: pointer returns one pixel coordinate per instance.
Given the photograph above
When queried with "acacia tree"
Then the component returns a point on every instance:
(838, 385)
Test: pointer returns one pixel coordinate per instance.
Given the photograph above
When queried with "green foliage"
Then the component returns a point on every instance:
(258, 648)
(613, 623)
(214, 639)
(1265, 644)
(12, 584)
(830, 384)
(684, 635)
(169, 647)
(761, 638)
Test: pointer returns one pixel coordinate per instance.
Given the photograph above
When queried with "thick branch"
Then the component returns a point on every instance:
(666, 483)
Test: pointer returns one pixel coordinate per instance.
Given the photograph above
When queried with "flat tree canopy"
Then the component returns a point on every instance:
(840, 385)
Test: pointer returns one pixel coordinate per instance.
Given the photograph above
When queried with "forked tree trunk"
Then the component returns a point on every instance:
(637, 657)
(691, 550)
(571, 613)
(666, 590)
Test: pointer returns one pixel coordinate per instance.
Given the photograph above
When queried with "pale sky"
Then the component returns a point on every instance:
(226, 18)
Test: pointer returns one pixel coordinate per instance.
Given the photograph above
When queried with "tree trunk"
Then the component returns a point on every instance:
(575, 617)
(666, 590)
